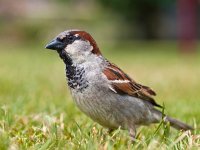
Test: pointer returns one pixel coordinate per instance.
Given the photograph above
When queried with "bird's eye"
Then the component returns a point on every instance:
(70, 38)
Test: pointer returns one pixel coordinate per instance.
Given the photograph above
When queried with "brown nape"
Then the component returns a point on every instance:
(88, 37)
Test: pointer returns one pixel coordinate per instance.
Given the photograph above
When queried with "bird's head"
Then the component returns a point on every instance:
(75, 44)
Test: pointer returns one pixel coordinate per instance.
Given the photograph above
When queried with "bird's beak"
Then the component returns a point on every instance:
(55, 45)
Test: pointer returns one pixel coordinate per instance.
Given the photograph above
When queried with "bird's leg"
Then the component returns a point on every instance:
(110, 131)
(132, 133)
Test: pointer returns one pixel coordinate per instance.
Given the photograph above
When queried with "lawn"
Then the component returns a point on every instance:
(37, 111)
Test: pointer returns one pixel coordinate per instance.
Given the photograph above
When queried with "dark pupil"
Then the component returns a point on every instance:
(70, 38)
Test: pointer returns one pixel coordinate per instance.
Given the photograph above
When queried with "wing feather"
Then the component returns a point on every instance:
(122, 84)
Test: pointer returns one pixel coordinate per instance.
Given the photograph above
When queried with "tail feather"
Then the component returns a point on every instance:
(178, 124)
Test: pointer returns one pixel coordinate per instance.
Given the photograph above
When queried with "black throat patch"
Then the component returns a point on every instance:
(75, 74)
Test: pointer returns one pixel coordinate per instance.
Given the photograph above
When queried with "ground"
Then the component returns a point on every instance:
(37, 111)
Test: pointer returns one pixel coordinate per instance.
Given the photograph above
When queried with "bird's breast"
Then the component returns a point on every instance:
(76, 77)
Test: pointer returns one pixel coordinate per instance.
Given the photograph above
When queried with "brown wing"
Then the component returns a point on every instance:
(122, 84)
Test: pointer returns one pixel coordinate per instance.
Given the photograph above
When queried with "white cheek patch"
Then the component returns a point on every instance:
(79, 46)
(79, 50)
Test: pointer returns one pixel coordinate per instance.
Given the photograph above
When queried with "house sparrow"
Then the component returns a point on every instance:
(102, 90)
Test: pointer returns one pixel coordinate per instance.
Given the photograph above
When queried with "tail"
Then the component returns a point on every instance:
(178, 124)
(173, 122)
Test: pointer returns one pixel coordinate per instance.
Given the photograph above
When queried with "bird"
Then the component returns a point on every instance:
(104, 92)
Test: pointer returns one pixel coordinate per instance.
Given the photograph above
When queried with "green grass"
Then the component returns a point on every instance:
(37, 111)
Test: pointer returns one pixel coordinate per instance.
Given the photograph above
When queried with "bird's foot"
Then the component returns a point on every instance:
(132, 133)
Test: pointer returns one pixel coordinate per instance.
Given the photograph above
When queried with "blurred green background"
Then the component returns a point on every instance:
(155, 42)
